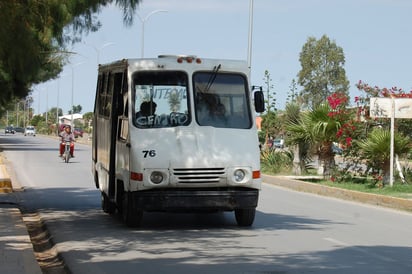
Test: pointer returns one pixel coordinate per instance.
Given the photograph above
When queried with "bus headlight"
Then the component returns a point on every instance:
(239, 175)
(156, 177)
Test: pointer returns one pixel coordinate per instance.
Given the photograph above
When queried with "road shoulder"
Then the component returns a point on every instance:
(367, 198)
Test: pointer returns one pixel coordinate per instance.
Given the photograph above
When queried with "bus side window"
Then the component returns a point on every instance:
(124, 93)
(123, 120)
(126, 107)
(103, 94)
(123, 129)
(108, 96)
(118, 92)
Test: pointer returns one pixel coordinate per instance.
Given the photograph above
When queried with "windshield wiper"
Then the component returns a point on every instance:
(212, 78)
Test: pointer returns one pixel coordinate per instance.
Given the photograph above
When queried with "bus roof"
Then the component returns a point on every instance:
(177, 61)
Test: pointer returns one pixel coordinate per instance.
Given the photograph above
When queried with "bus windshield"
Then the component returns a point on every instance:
(221, 100)
(161, 99)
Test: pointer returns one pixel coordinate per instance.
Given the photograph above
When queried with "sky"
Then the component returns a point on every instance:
(375, 35)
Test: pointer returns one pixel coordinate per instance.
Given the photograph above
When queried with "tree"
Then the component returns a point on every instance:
(88, 116)
(37, 120)
(322, 71)
(270, 121)
(292, 93)
(375, 148)
(321, 126)
(404, 126)
(76, 109)
(270, 125)
(54, 113)
(317, 129)
(376, 151)
(34, 36)
(300, 147)
(271, 96)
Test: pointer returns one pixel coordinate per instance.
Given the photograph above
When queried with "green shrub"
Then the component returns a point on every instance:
(276, 161)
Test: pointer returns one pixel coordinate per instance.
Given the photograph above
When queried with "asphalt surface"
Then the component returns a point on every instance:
(18, 256)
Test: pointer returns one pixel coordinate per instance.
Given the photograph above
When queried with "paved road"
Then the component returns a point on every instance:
(293, 232)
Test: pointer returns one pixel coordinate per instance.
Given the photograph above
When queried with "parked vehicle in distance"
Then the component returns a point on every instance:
(336, 149)
(279, 143)
(19, 129)
(9, 130)
(78, 132)
(30, 131)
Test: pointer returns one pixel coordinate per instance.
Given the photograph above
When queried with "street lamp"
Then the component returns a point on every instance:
(143, 20)
(72, 67)
(99, 49)
(58, 96)
(38, 108)
(249, 55)
(47, 104)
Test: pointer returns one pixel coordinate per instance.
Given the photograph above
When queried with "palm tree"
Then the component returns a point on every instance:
(376, 150)
(300, 150)
(318, 129)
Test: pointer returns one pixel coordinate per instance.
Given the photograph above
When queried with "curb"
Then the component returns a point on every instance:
(335, 192)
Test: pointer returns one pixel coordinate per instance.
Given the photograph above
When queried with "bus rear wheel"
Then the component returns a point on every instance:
(132, 216)
(245, 216)
(108, 206)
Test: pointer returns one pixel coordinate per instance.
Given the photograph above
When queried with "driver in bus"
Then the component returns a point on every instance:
(211, 112)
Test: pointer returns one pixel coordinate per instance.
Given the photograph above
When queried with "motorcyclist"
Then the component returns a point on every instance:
(67, 136)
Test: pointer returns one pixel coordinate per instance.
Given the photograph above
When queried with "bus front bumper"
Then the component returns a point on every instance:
(195, 200)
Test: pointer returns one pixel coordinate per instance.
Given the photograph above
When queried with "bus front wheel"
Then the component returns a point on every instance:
(131, 215)
(245, 216)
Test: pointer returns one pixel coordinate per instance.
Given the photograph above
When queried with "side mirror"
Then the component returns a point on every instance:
(259, 99)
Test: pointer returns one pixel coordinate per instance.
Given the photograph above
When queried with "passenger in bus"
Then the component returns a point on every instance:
(147, 109)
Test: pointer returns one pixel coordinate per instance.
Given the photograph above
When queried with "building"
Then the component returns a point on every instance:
(67, 119)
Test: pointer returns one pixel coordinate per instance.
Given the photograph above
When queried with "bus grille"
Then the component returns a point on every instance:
(199, 175)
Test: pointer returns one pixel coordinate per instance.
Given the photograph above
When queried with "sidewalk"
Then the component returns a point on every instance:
(16, 249)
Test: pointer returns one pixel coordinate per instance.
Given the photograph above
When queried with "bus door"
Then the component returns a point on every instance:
(122, 138)
(115, 109)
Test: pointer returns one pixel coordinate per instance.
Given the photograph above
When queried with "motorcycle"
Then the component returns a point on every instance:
(66, 154)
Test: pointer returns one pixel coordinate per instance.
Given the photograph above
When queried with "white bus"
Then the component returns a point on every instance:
(176, 133)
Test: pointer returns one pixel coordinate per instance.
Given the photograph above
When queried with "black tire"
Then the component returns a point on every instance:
(132, 216)
(96, 180)
(108, 206)
(66, 157)
(245, 216)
